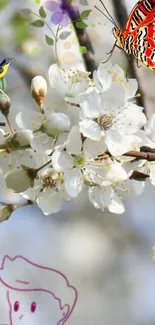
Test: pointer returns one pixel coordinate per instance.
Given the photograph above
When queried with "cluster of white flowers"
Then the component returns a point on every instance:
(76, 140)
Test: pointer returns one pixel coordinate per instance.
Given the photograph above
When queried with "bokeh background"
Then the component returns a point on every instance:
(106, 256)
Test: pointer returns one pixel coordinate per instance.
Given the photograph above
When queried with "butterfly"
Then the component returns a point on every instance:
(138, 36)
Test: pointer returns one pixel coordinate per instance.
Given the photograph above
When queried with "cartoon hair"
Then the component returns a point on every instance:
(27, 276)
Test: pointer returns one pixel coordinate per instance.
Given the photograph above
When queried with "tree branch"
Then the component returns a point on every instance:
(81, 34)
(149, 156)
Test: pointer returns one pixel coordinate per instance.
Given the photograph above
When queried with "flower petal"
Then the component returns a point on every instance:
(61, 140)
(118, 143)
(90, 129)
(94, 148)
(49, 201)
(113, 99)
(73, 182)
(115, 172)
(137, 187)
(56, 123)
(74, 142)
(130, 119)
(131, 88)
(31, 120)
(96, 197)
(57, 80)
(115, 205)
(65, 20)
(102, 78)
(150, 127)
(78, 88)
(62, 161)
(152, 173)
(41, 142)
(97, 175)
(92, 106)
(145, 140)
(52, 6)
(56, 18)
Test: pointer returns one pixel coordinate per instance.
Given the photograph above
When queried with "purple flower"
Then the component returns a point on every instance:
(59, 16)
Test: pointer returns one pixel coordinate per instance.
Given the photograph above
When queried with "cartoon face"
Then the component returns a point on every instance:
(34, 308)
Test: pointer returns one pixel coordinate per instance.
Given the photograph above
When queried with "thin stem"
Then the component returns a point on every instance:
(55, 36)
(42, 108)
(56, 40)
(5, 148)
(41, 167)
(9, 124)
(44, 23)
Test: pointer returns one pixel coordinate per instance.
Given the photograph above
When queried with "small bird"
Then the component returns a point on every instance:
(4, 65)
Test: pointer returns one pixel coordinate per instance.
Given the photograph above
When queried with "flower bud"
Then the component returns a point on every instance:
(5, 105)
(23, 137)
(38, 89)
(6, 212)
(56, 124)
(20, 179)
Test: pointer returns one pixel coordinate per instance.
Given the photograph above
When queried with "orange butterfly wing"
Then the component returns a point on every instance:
(142, 14)
(141, 28)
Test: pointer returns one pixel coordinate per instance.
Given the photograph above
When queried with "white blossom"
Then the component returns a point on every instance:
(45, 128)
(76, 141)
(108, 115)
(75, 160)
(106, 74)
(106, 197)
(68, 83)
(48, 191)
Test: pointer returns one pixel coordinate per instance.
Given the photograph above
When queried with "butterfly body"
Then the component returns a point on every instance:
(138, 37)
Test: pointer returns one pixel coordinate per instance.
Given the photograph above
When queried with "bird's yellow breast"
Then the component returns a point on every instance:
(3, 73)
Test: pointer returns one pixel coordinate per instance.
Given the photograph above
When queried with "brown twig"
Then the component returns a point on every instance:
(149, 156)
(81, 34)
(145, 153)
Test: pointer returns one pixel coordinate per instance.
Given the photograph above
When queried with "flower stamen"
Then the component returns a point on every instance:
(105, 121)
(48, 181)
(79, 161)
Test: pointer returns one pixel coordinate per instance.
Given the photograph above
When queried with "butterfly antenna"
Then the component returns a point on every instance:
(106, 16)
(114, 22)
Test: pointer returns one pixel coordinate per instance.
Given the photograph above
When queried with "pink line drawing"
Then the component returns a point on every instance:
(21, 276)
(24, 282)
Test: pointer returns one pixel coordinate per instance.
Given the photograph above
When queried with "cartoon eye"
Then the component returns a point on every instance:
(16, 306)
(33, 307)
